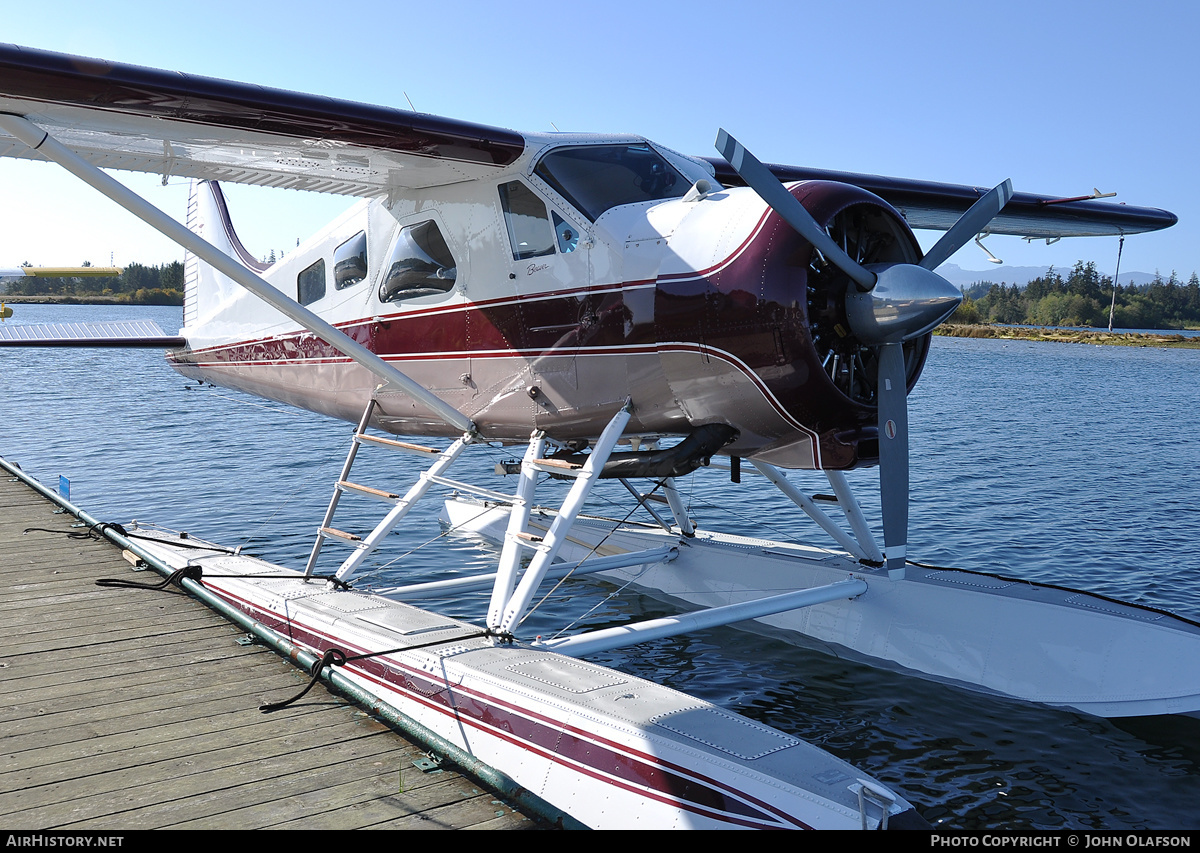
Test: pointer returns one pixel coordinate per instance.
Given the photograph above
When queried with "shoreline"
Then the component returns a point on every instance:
(1096, 337)
(71, 299)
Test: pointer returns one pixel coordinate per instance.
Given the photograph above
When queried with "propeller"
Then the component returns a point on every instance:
(890, 304)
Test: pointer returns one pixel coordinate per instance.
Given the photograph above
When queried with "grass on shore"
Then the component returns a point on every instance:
(1101, 337)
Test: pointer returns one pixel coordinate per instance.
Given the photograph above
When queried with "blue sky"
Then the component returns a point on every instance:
(1060, 96)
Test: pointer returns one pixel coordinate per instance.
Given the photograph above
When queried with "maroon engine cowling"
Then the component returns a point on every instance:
(779, 308)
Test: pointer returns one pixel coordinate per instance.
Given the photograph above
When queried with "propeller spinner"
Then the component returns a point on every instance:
(889, 304)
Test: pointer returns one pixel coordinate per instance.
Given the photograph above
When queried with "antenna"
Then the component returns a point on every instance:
(1095, 194)
(410, 103)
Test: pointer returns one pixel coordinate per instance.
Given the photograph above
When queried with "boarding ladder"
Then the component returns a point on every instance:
(512, 589)
(364, 546)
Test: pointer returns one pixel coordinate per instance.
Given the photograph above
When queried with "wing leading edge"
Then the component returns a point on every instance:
(937, 206)
(143, 119)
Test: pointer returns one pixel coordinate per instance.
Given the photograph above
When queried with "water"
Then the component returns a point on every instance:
(1064, 463)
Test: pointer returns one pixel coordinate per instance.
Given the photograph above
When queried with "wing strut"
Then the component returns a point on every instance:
(40, 141)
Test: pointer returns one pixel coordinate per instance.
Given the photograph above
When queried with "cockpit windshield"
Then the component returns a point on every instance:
(597, 177)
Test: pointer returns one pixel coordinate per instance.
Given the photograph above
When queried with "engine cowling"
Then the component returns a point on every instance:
(776, 309)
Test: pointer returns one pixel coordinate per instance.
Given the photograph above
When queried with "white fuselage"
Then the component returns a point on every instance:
(556, 341)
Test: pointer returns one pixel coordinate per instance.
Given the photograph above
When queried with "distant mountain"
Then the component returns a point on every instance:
(962, 278)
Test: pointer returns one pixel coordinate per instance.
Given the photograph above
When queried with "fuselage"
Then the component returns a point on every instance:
(593, 270)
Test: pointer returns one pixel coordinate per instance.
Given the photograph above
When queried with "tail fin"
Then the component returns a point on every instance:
(206, 291)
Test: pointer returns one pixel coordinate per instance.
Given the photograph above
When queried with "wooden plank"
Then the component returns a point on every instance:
(46, 710)
(132, 709)
(176, 787)
(402, 445)
(367, 490)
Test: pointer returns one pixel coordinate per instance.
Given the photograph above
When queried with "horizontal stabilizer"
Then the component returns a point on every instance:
(134, 333)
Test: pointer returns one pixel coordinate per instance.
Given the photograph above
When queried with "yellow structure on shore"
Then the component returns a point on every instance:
(61, 272)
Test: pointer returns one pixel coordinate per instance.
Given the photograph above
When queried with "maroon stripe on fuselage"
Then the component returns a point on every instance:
(752, 304)
(586, 752)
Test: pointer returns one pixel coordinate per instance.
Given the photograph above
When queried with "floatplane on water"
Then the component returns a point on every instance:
(622, 311)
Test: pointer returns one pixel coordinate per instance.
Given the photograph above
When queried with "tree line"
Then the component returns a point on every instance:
(1084, 298)
(138, 284)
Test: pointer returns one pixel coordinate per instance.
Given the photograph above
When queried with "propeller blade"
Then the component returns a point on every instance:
(759, 178)
(973, 222)
(893, 455)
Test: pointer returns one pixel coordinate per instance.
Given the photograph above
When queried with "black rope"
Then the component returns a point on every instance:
(337, 657)
(176, 577)
(196, 573)
(96, 531)
(337, 582)
(182, 543)
(1058, 587)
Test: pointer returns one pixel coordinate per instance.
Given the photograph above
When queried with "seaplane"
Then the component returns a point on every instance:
(622, 312)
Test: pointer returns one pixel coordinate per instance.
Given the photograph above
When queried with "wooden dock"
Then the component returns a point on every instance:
(128, 709)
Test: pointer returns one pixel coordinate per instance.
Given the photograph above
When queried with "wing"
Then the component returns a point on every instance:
(936, 206)
(142, 119)
(145, 120)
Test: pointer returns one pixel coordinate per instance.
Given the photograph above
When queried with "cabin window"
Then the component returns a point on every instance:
(350, 261)
(595, 178)
(529, 229)
(420, 264)
(310, 284)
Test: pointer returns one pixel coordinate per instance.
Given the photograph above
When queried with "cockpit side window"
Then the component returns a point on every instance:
(420, 264)
(597, 177)
(529, 229)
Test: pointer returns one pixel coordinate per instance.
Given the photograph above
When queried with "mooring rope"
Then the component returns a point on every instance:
(337, 657)
(176, 577)
(196, 573)
(96, 531)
